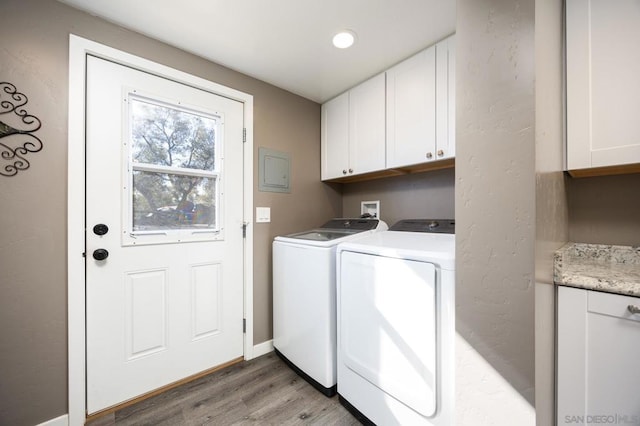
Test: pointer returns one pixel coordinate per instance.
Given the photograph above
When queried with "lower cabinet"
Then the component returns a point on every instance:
(598, 356)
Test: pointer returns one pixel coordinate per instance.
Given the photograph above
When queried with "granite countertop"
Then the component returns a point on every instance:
(614, 269)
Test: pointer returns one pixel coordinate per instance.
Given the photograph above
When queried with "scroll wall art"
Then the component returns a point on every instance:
(16, 131)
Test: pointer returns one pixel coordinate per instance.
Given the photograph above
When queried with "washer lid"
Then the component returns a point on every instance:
(356, 224)
(323, 234)
(337, 228)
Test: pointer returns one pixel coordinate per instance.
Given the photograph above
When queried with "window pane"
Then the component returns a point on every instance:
(166, 136)
(163, 201)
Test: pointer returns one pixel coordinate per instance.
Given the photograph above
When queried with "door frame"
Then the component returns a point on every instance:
(79, 48)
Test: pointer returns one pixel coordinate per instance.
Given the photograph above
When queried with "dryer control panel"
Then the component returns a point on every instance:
(440, 226)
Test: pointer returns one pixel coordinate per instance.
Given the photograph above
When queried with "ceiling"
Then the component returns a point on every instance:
(288, 42)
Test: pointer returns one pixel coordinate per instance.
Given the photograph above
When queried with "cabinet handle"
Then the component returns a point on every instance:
(440, 153)
(350, 170)
(633, 309)
(429, 155)
(344, 172)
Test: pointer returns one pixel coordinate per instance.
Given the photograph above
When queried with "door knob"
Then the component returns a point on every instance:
(100, 254)
(100, 229)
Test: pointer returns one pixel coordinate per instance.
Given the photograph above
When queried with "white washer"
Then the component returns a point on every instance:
(304, 297)
(396, 324)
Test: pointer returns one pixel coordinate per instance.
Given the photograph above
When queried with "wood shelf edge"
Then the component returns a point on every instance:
(396, 171)
(605, 171)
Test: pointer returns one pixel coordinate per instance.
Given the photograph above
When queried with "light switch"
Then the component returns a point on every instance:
(263, 214)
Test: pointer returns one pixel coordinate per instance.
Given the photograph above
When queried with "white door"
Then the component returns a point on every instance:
(164, 245)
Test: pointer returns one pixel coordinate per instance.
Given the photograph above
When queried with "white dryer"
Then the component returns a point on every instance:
(304, 297)
(396, 324)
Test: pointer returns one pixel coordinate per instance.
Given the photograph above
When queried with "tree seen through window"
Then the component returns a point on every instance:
(174, 167)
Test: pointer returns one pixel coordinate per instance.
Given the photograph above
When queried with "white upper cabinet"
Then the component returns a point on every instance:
(603, 85)
(335, 137)
(421, 107)
(446, 98)
(353, 140)
(366, 126)
(411, 110)
(402, 118)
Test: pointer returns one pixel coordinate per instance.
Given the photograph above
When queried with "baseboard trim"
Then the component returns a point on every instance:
(262, 348)
(58, 421)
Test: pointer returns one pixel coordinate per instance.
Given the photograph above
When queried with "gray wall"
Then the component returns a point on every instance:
(425, 195)
(494, 196)
(552, 221)
(33, 342)
(605, 209)
(495, 207)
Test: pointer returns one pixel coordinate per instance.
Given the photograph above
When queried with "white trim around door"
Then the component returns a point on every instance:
(79, 48)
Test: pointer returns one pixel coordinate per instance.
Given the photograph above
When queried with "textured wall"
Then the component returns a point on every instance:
(495, 212)
(551, 197)
(35, 43)
(424, 195)
(604, 210)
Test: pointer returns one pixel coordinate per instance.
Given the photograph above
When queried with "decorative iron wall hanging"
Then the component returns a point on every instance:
(16, 131)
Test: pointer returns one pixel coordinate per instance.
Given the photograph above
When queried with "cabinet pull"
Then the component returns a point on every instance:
(440, 153)
(633, 309)
(344, 171)
(350, 170)
(429, 155)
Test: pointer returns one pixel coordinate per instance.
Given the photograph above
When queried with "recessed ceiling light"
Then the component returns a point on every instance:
(344, 39)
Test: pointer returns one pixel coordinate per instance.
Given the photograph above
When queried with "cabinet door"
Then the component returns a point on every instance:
(598, 346)
(445, 99)
(603, 93)
(366, 126)
(411, 110)
(335, 137)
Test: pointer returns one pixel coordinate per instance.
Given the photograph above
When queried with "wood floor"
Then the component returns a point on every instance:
(263, 391)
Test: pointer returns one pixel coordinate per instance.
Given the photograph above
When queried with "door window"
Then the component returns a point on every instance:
(173, 172)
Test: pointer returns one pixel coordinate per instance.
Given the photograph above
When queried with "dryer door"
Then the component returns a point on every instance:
(388, 326)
